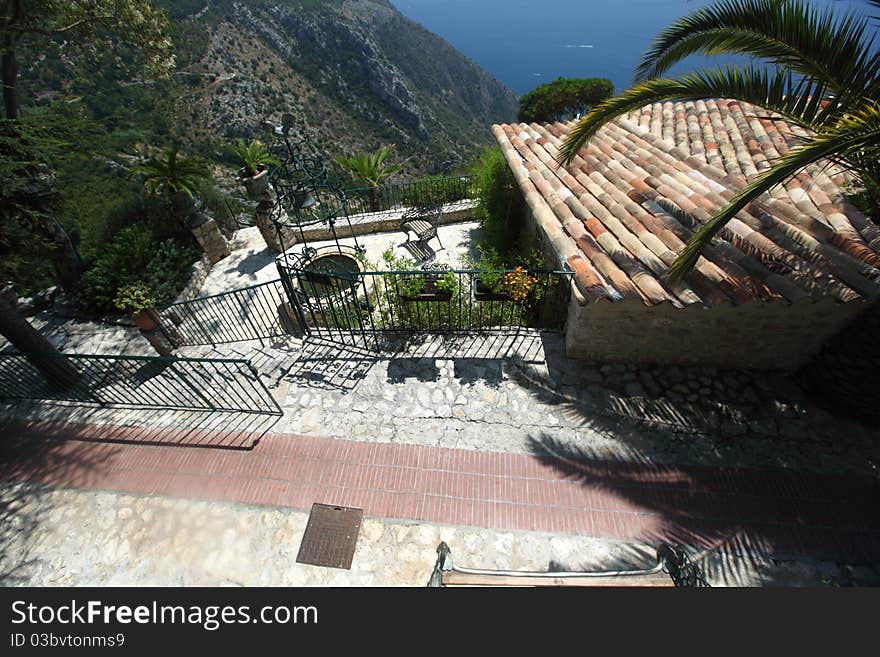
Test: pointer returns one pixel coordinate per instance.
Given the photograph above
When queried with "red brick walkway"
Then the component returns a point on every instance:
(781, 512)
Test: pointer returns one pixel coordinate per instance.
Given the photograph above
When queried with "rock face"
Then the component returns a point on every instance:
(357, 73)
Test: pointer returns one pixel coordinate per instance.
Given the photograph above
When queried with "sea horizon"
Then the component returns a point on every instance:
(570, 38)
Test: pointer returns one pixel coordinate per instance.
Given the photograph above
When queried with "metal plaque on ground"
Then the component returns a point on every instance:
(331, 536)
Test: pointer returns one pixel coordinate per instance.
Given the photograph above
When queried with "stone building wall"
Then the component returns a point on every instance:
(759, 335)
(846, 372)
(778, 335)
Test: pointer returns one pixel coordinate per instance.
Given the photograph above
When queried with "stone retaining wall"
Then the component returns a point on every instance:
(384, 222)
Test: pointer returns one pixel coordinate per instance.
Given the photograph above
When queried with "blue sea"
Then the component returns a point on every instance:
(525, 43)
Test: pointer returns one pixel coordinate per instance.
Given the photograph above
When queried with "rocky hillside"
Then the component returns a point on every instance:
(357, 72)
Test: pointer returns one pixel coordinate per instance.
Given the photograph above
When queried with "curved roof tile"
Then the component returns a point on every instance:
(625, 207)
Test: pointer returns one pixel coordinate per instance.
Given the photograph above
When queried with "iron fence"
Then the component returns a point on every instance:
(192, 384)
(337, 306)
(252, 313)
(417, 193)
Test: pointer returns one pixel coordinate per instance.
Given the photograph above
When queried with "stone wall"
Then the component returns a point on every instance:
(769, 336)
(778, 335)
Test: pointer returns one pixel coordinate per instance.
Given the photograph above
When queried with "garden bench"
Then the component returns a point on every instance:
(422, 222)
(673, 568)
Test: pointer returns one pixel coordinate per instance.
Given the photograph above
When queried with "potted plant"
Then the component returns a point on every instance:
(488, 286)
(139, 302)
(428, 287)
(256, 159)
(177, 178)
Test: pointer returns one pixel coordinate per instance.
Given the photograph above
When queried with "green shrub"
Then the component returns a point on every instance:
(133, 257)
(169, 269)
(135, 298)
(500, 204)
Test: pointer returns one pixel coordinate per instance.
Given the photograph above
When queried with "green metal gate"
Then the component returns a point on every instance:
(259, 312)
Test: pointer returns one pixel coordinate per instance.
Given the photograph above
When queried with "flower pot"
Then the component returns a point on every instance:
(256, 185)
(483, 292)
(146, 320)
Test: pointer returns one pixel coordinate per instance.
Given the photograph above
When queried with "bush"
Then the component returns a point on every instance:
(563, 99)
(169, 270)
(135, 257)
(500, 204)
(135, 298)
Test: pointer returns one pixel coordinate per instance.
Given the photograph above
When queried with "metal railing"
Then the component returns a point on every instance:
(420, 193)
(192, 384)
(453, 301)
(252, 313)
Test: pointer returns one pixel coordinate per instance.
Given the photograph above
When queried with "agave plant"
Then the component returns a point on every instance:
(171, 174)
(254, 156)
(816, 67)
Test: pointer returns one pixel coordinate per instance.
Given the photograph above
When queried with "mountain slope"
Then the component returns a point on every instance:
(357, 72)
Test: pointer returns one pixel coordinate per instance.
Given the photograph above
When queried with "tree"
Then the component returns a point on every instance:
(815, 67)
(92, 25)
(27, 191)
(563, 99)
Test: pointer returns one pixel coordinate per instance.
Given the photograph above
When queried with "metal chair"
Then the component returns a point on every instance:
(422, 222)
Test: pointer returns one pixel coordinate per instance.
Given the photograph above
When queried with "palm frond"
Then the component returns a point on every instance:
(818, 43)
(856, 136)
(797, 100)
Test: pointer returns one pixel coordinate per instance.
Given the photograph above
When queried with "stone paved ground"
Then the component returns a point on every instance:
(87, 538)
(484, 393)
(502, 393)
(747, 515)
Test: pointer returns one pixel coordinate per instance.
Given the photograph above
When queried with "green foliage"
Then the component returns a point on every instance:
(95, 27)
(447, 282)
(433, 191)
(500, 204)
(563, 99)
(169, 174)
(253, 155)
(135, 298)
(135, 256)
(169, 269)
(369, 168)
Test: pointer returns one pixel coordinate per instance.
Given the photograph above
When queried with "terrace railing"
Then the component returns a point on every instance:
(452, 301)
(424, 192)
(200, 384)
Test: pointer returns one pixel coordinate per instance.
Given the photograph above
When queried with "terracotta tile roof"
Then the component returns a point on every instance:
(628, 203)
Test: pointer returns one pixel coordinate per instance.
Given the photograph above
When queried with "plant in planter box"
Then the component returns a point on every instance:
(138, 301)
(256, 159)
(425, 287)
(519, 283)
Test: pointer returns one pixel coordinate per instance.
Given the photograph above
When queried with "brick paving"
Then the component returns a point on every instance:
(781, 512)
